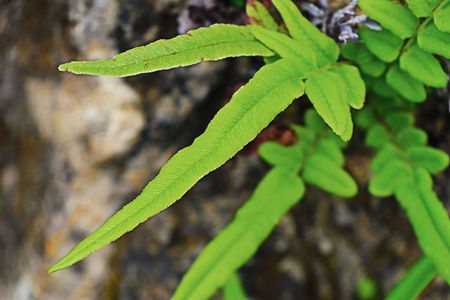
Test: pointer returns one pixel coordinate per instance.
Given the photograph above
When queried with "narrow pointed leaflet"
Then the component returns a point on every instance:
(212, 43)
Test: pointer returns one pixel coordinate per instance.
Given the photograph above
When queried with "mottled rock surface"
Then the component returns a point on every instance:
(74, 149)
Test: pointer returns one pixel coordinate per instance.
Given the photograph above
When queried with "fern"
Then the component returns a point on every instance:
(233, 289)
(251, 109)
(280, 189)
(300, 59)
(414, 281)
(271, 90)
(407, 42)
(402, 167)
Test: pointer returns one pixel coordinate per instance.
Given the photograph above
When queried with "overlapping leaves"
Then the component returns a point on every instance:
(251, 109)
(271, 90)
(402, 167)
(408, 40)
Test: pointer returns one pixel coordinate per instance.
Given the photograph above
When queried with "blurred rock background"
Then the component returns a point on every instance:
(74, 149)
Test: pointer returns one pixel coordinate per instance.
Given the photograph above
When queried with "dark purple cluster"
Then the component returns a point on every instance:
(207, 12)
(341, 24)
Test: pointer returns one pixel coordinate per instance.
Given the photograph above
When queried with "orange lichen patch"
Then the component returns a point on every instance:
(54, 242)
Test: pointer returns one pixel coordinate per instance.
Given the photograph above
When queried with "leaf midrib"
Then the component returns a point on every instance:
(433, 221)
(312, 40)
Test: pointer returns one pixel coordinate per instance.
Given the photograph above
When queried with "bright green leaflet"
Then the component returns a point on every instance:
(412, 137)
(405, 85)
(279, 190)
(327, 93)
(392, 16)
(321, 171)
(331, 150)
(213, 43)
(260, 15)
(355, 87)
(286, 47)
(413, 61)
(309, 35)
(278, 155)
(430, 221)
(422, 8)
(382, 44)
(233, 289)
(433, 160)
(442, 18)
(251, 109)
(433, 40)
(405, 173)
(389, 177)
(414, 281)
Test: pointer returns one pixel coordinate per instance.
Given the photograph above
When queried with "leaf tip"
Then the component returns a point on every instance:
(53, 269)
(63, 67)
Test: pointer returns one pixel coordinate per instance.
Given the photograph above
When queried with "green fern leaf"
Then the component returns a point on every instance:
(412, 137)
(260, 15)
(367, 62)
(405, 85)
(392, 16)
(326, 91)
(232, 247)
(383, 44)
(429, 220)
(353, 84)
(442, 18)
(384, 157)
(389, 177)
(286, 47)
(233, 289)
(377, 137)
(331, 150)
(433, 160)
(213, 43)
(415, 280)
(422, 8)
(322, 172)
(251, 109)
(434, 41)
(307, 34)
(413, 61)
(278, 155)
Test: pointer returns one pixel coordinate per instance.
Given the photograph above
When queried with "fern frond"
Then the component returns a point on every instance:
(213, 43)
(402, 168)
(251, 109)
(279, 190)
(414, 281)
